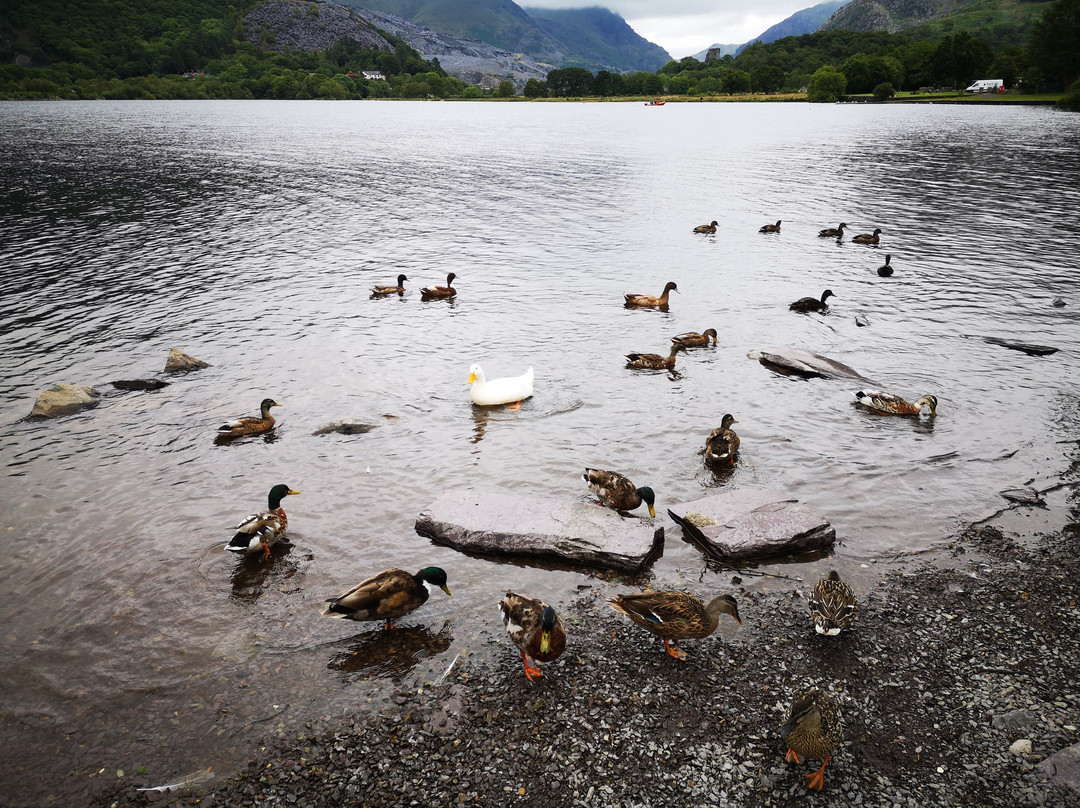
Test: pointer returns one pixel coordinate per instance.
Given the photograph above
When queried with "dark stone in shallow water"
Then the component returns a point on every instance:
(513, 524)
(1025, 347)
(64, 399)
(345, 427)
(751, 523)
(804, 363)
(179, 361)
(139, 384)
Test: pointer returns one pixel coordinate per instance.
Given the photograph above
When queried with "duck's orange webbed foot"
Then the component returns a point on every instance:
(266, 550)
(816, 781)
(515, 406)
(532, 673)
(391, 625)
(793, 757)
(674, 652)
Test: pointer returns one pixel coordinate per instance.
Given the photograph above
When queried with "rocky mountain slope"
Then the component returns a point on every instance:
(600, 39)
(281, 25)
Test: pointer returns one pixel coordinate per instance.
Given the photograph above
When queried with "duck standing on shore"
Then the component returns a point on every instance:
(832, 605)
(535, 629)
(813, 729)
(674, 616)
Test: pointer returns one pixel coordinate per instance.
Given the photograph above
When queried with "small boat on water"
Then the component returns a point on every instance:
(655, 103)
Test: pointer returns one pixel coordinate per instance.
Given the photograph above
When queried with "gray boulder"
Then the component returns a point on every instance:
(1064, 767)
(520, 525)
(180, 361)
(64, 399)
(804, 363)
(752, 523)
(345, 426)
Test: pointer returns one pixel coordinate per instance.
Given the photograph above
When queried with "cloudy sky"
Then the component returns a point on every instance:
(684, 27)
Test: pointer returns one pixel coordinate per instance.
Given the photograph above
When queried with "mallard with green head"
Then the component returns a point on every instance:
(262, 530)
(648, 301)
(616, 491)
(832, 232)
(813, 729)
(387, 596)
(832, 605)
(722, 444)
(535, 629)
(889, 404)
(251, 424)
(379, 291)
(440, 292)
(674, 616)
(868, 238)
(692, 339)
(706, 228)
(808, 304)
(651, 361)
(770, 228)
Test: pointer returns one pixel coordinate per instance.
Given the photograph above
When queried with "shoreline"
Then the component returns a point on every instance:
(947, 668)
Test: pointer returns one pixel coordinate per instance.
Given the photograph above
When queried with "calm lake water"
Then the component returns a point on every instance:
(248, 234)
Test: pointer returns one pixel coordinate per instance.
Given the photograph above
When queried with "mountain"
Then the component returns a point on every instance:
(937, 16)
(801, 22)
(601, 38)
(725, 50)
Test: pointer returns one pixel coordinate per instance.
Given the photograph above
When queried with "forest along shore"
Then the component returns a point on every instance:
(946, 670)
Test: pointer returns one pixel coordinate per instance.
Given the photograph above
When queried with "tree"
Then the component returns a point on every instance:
(884, 91)
(505, 89)
(736, 81)
(604, 83)
(826, 86)
(533, 89)
(1055, 42)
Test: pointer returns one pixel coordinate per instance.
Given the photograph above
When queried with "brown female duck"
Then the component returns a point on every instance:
(692, 339)
(251, 424)
(813, 729)
(706, 228)
(832, 605)
(808, 304)
(832, 232)
(440, 292)
(391, 290)
(722, 444)
(535, 629)
(770, 228)
(390, 594)
(675, 616)
(616, 491)
(649, 300)
(889, 404)
(651, 361)
(868, 238)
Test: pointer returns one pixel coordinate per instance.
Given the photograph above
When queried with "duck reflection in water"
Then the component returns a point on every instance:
(252, 575)
(391, 654)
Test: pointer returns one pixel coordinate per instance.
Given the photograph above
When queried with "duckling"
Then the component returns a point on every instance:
(885, 270)
(889, 404)
(391, 290)
(706, 228)
(440, 292)
(722, 444)
(535, 629)
(832, 605)
(261, 531)
(770, 228)
(651, 361)
(692, 339)
(675, 616)
(616, 491)
(813, 729)
(808, 304)
(649, 300)
(390, 594)
(868, 238)
(250, 425)
(832, 232)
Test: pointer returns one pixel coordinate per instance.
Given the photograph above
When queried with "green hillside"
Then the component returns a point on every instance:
(600, 39)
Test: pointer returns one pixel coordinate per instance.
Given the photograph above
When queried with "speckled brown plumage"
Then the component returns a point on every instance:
(832, 605)
(722, 444)
(651, 361)
(617, 491)
(692, 339)
(527, 621)
(813, 729)
(889, 404)
(675, 616)
(251, 424)
(390, 594)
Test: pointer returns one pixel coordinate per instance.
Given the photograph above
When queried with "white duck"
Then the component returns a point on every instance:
(508, 390)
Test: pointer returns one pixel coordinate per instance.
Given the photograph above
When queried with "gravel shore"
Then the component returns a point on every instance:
(946, 669)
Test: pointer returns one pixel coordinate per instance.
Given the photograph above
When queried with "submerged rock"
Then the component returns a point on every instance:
(139, 384)
(752, 523)
(180, 361)
(64, 399)
(514, 524)
(345, 426)
(804, 363)
(1025, 347)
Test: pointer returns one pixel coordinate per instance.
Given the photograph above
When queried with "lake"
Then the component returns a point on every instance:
(248, 234)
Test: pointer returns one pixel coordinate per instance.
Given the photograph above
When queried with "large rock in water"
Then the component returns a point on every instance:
(751, 523)
(64, 399)
(180, 361)
(513, 524)
(804, 363)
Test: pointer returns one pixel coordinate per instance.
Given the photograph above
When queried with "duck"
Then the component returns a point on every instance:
(440, 292)
(808, 304)
(535, 629)
(889, 404)
(813, 729)
(649, 300)
(391, 290)
(651, 361)
(770, 228)
(832, 605)
(616, 491)
(868, 238)
(885, 270)
(250, 425)
(674, 616)
(692, 339)
(262, 530)
(391, 594)
(507, 390)
(722, 444)
(706, 228)
(833, 232)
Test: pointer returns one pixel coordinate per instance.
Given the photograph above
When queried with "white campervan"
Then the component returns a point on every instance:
(986, 86)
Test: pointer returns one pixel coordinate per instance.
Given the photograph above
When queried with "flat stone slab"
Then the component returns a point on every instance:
(64, 399)
(515, 524)
(1064, 767)
(804, 363)
(752, 523)
(1024, 347)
